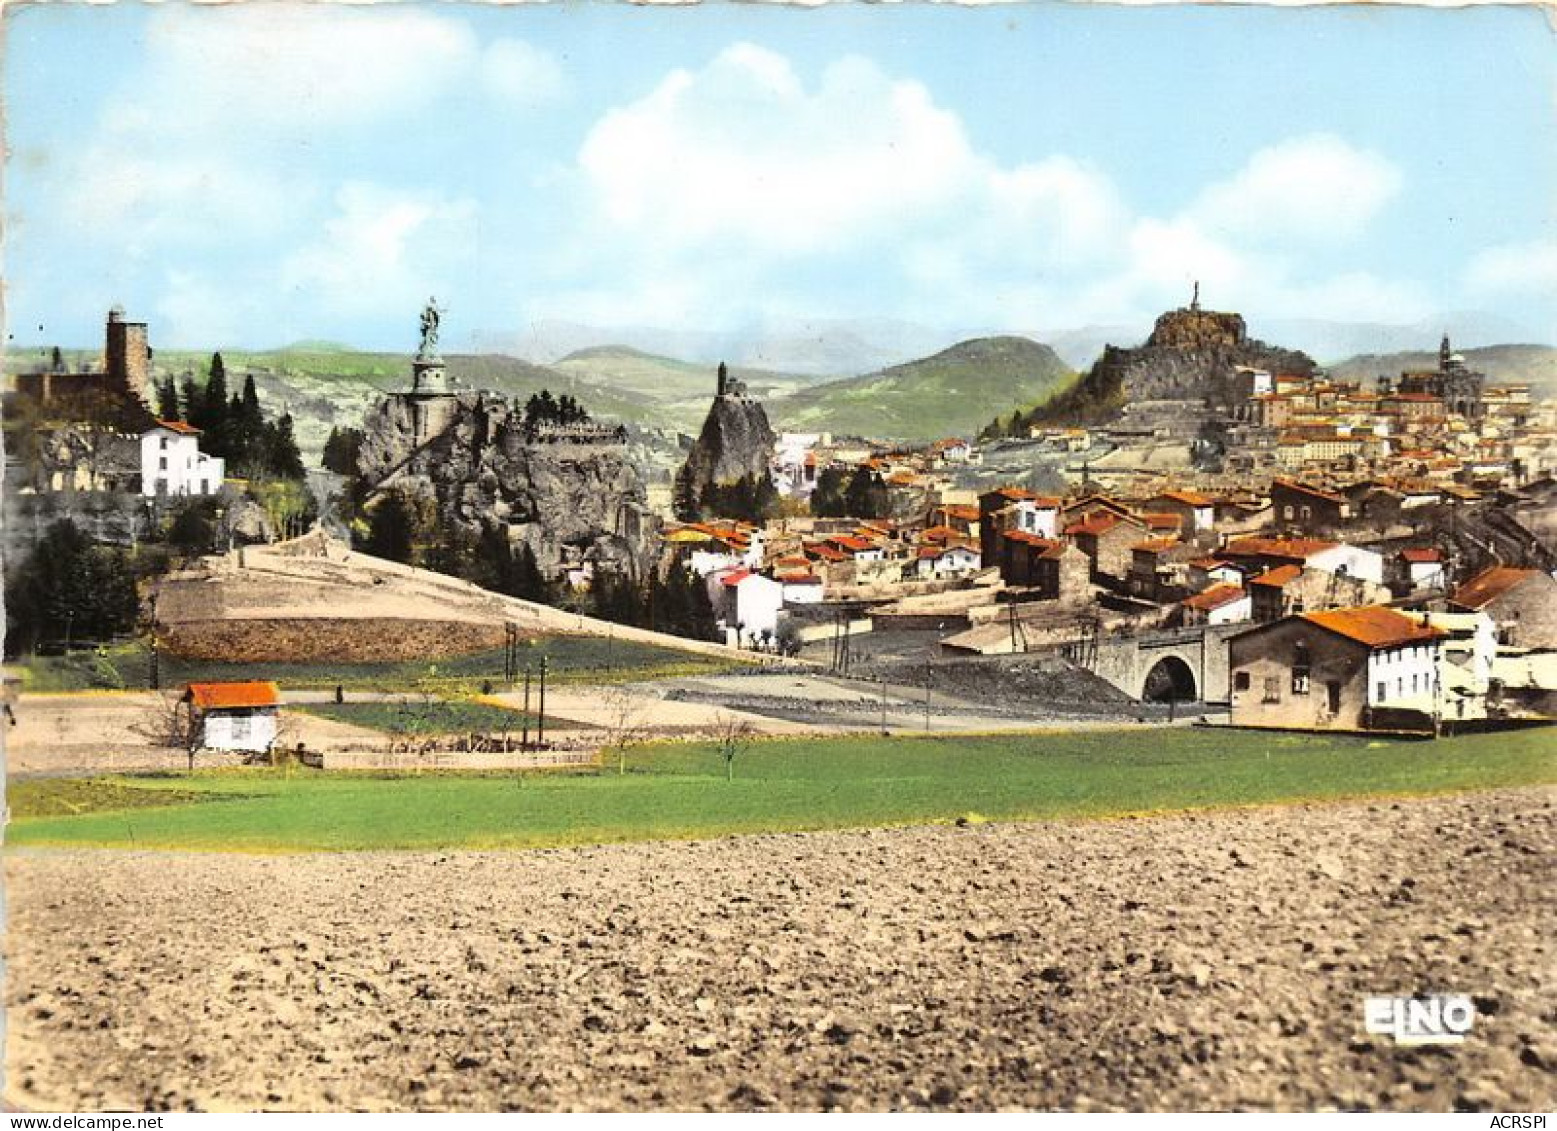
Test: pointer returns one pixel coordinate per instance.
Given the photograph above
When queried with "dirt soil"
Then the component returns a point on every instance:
(1202, 961)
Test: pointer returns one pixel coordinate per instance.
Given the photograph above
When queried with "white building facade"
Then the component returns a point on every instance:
(173, 465)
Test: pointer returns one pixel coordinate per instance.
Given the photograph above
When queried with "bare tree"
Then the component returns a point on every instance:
(734, 735)
(170, 721)
(626, 721)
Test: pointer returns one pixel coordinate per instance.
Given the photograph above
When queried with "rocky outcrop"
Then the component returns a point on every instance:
(1190, 358)
(570, 494)
(736, 443)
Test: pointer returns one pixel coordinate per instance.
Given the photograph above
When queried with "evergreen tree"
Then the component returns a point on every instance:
(867, 495)
(391, 528)
(69, 590)
(213, 410)
(190, 396)
(827, 498)
(167, 400)
(341, 450)
(283, 459)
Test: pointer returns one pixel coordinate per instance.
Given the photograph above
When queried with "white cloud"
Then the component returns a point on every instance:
(1313, 188)
(1516, 269)
(748, 185)
(521, 73)
(281, 65)
(740, 152)
(238, 112)
(384, 250)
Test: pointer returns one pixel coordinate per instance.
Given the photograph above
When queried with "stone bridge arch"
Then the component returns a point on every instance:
(1190, 665)
(1170, 679)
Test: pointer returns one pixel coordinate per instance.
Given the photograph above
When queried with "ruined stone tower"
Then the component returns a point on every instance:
(128, 356)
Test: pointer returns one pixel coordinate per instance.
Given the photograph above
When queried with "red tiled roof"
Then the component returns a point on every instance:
(1188, 498)
(734, 577)
(179, 426)
(1488, 585)
(1162, 521)
(1304, 488)
(1100, 523)
(1011, 493)
(1278, 577)
(850, 542)
(1297, 549)
(1374, 625)
(1156, 545)
(1427, 555)
(1214, 598)
(220, 696)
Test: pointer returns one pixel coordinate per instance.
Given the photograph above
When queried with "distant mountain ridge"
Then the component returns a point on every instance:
(951, 393)
(1533, 365)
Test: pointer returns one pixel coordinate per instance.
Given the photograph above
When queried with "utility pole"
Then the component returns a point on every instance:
(155, 674)
(540, 726)
(927, 695)
(524, 741)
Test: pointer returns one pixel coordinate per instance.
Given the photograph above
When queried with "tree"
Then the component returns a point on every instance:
(167, 400)
(341, 450)
(827, 499)
(282, 458)
(627, 714)
(193, 529)
(867, 495)
(214, 410)
(68, 590)
(169, 721)
(189, 394)
(734, 735)
(391, 528)
(679, 604)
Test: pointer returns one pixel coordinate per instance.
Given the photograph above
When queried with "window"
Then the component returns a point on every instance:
(162, 463)
(1300, 668)
(162, 443)
(1383, 690)
(1333, 688)
(1400, 687)
(1272, 689)
(1240, 681)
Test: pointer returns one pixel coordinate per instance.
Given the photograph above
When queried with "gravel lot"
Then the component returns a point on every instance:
(1215, 960)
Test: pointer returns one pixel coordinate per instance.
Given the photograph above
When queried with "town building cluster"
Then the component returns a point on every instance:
(1387, 552)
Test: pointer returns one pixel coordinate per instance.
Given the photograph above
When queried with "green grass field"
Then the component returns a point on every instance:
(680, 791)
(596, 659)
(416, 717)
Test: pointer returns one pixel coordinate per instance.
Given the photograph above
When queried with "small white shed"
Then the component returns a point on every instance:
(235, 716)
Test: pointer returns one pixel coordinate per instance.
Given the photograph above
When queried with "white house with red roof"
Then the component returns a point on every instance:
(234, 716)
(173, 465)
(1423, 567)
(747, 605)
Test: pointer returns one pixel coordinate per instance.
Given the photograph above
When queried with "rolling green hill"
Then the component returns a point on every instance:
(678, 390)
(1531, 365)
(954, 393)
(323, 385)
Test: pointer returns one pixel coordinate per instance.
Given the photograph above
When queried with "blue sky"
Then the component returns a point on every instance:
(253, 175)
